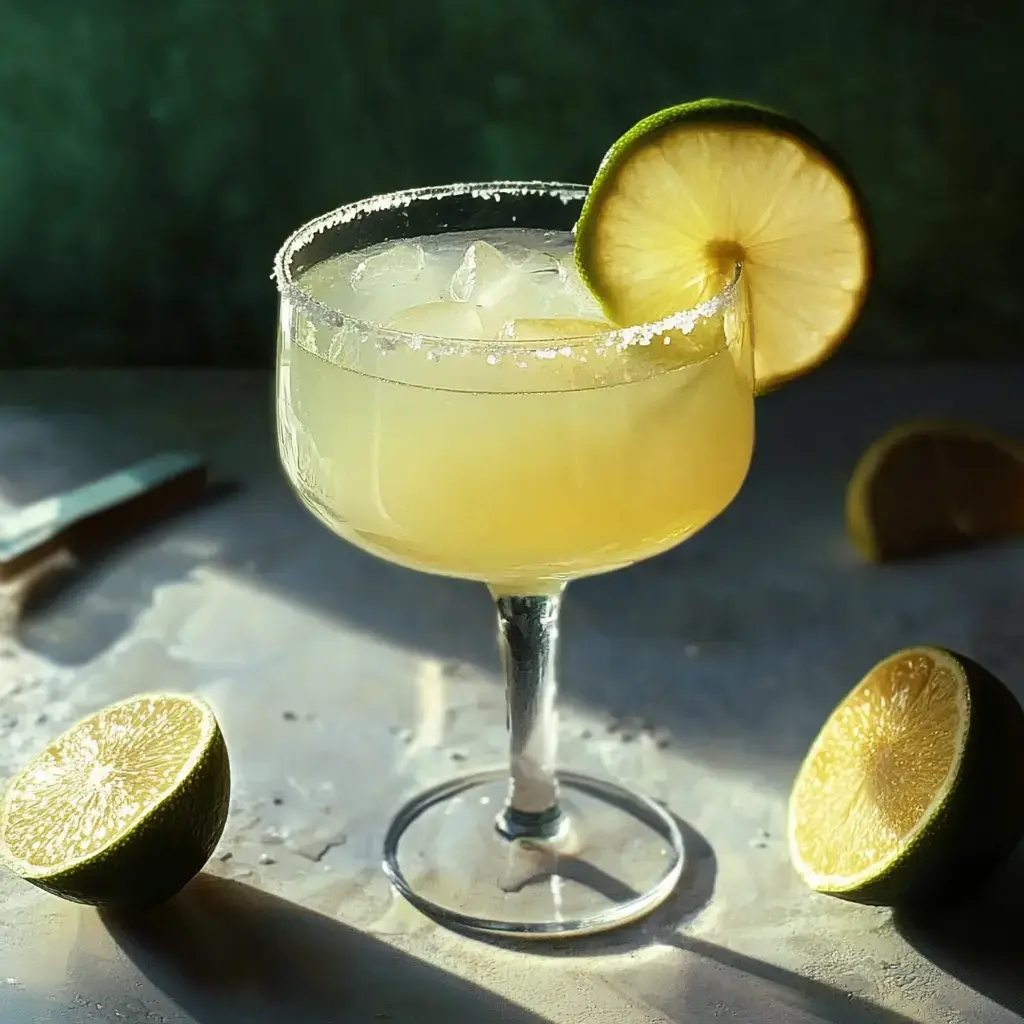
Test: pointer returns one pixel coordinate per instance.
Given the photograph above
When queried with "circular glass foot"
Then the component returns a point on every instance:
(617, 856)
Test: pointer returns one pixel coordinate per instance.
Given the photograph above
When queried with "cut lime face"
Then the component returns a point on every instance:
(924, 488)
(912, 782)
(693, 190)
(125, 807)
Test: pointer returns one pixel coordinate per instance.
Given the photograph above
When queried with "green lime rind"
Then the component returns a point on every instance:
(973, 831)
(718, 113)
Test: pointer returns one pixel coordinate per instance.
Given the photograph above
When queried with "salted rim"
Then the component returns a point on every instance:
(683, 321)
(209, 727)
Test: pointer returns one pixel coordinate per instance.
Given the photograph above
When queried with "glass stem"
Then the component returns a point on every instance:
(528, 638)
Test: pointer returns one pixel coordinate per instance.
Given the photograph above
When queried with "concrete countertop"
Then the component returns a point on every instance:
(345, 684)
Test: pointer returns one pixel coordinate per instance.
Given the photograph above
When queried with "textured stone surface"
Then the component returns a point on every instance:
(153, 156)
(732, 648)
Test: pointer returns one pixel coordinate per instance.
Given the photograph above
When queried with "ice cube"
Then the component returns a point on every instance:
(485, 276)
(397, 278)
(395, 267)
(570, 296)
(430, 286)
(454, 320)
(328, 283)
(552, 329)
(533, 261)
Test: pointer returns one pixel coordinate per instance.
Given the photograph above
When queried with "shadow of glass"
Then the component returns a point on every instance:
(981, 940)
(714, 980)
(753, 990)
(690, 896)
(227, 953)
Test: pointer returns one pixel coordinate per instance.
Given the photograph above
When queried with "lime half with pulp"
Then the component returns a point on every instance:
(692, 191)
(927, 487)
(124, 808)
(913, 792)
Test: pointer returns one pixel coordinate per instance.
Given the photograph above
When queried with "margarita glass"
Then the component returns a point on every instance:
(451, 398)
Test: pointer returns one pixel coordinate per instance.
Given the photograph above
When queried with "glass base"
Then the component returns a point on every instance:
(617, 856)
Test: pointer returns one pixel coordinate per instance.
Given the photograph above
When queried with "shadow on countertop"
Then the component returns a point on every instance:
(981, 941)
(737, 644)
(227, 953)
(716, 983)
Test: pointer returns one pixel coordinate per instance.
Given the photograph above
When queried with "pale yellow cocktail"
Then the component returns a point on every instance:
(522, 465)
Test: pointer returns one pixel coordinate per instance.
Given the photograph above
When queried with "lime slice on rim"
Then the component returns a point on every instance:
(927, 487)
(912, 791)
(693, 190)
(124, 808)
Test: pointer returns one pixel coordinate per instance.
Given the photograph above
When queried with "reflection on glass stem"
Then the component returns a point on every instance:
(528, 640)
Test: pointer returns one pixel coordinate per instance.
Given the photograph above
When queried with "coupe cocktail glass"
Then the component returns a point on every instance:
(450, 398)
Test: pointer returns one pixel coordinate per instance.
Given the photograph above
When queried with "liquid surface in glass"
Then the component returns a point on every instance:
(520, 465)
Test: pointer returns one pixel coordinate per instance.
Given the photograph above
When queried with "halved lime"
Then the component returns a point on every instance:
(914, 788)
(926, 487)
(693, 190)
(125, 807)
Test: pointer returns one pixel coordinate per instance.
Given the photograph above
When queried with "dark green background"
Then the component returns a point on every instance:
(154, 154)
